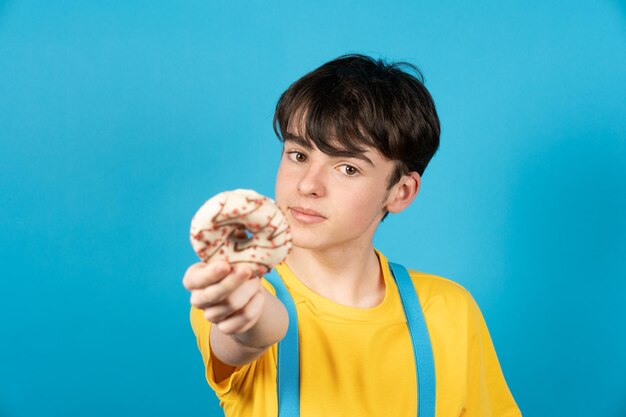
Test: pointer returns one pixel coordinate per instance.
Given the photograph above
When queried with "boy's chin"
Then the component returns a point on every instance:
(306, 241)
(312, 244)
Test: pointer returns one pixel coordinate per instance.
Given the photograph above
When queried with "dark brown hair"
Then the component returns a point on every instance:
(356, 101)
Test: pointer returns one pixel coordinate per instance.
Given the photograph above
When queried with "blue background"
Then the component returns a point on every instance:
(118, 121)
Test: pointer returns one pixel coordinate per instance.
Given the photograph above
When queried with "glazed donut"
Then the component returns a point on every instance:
(241, 226)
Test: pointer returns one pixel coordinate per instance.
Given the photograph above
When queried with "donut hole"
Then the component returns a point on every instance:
(241, 234)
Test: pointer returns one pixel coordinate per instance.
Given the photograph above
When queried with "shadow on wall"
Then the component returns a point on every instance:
(4, 412)
(621, 5)
(567, 210)
(567, 237)
(3, 9)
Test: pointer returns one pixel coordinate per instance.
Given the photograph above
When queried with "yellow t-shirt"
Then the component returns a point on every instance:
(359, 361)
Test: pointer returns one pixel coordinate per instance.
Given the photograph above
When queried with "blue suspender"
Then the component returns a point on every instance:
(288, 378)
(422, 350)
(288, 353)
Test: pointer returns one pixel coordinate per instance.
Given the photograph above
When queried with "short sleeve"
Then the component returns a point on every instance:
(241, 377)
(202, 328)
(488, 394)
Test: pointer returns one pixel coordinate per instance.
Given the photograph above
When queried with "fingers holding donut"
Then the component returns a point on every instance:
(220, 290)
(246, 317)
(225, 293)
(240, 235)
(201, 274)
(236, 301)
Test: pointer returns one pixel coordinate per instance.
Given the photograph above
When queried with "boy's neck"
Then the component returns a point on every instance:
(353, 279)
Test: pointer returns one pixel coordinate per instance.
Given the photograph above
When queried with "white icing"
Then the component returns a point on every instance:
(214, 227)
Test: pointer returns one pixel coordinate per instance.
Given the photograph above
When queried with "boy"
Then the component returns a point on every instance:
(358, 134)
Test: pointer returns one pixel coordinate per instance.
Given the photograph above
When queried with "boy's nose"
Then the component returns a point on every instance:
(312, 182)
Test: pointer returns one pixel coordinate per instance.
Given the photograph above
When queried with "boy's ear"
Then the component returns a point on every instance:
(404, 192)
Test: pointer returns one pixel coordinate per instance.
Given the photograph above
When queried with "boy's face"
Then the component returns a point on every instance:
(332, 202)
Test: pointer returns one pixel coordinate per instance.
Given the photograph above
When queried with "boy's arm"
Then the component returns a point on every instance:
(246, 318)
(237, 349)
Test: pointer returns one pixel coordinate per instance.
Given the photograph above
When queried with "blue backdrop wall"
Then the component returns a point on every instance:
(118, 121)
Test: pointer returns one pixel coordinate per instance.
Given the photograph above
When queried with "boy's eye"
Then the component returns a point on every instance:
(349, 170)
(296, 156)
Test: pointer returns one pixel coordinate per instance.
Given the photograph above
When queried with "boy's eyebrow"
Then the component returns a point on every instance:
(300, 141)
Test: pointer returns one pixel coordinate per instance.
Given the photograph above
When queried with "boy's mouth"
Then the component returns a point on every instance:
(307, 216)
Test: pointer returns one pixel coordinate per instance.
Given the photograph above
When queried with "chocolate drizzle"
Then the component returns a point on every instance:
(215, 236)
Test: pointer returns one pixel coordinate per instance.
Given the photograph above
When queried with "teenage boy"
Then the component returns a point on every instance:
(358, 134)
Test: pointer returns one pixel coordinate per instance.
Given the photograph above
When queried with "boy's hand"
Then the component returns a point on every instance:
(229, 296)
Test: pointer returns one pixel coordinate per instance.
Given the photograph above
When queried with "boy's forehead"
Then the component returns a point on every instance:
(297, 133)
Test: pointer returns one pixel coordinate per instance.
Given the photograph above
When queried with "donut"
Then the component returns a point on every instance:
(241, 227)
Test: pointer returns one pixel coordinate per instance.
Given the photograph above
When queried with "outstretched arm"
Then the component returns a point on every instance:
(247, 318)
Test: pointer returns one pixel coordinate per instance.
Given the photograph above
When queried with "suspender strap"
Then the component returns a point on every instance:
(288, 353)
(422, 349)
